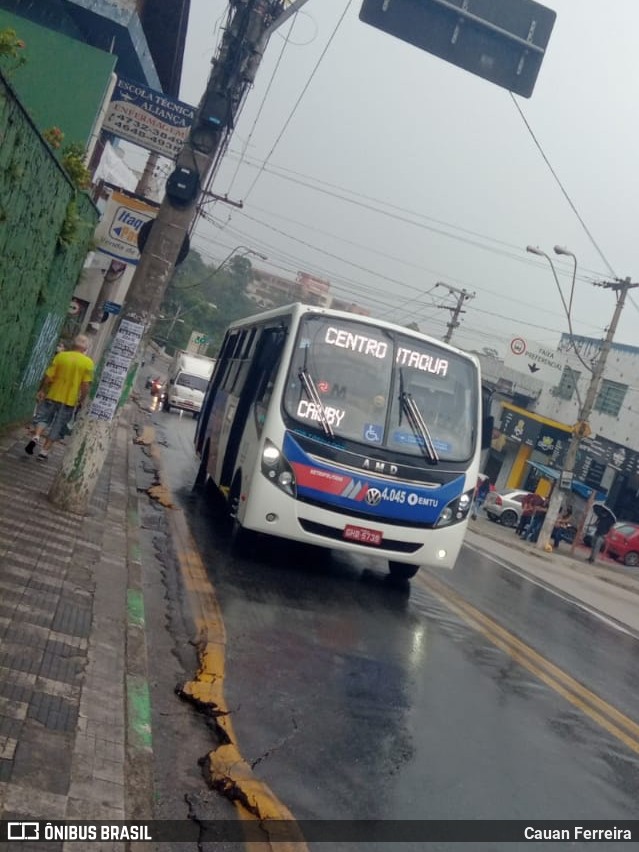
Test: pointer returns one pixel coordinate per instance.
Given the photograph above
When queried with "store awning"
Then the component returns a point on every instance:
(578, 487)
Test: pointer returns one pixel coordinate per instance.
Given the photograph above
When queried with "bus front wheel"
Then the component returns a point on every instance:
(402, 570)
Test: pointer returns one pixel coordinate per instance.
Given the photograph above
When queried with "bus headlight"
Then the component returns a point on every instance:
(276, 468)
(455, 511)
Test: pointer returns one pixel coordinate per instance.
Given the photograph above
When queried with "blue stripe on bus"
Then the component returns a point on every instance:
(366, 493)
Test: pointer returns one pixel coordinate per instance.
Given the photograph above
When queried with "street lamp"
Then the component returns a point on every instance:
(565, 251)
(581, 429)
(536, 250)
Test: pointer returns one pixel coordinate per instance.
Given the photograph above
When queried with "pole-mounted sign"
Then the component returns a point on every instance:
(503, 41)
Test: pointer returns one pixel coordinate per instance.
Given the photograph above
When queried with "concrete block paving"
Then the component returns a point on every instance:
(62, 746)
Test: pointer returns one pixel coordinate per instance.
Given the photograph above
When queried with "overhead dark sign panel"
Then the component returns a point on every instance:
(503, 41)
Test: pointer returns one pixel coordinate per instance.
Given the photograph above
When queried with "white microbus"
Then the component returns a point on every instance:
(339, 430)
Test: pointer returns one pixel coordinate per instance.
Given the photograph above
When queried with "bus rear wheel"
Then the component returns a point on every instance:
(242, 540)
(402, 570)
(202, 471)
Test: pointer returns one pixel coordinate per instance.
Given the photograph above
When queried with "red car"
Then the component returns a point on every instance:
(622, 542)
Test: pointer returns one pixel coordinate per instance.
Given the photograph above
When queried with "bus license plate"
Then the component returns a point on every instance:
(363, 535)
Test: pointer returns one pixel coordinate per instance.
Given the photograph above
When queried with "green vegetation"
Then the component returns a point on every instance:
(205, 298)
(11, 51)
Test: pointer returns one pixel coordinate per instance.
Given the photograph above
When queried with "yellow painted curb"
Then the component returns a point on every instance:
(226, 769)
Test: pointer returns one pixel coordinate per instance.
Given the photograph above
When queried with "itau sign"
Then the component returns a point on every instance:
(151, 119)
(123, 218)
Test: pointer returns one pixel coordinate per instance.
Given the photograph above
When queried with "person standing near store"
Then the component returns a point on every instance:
(481, 492)
(65, 385)
(605, 520)
(536, 520)
(528, 505)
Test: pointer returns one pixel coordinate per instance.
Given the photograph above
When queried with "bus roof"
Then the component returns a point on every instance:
(298, 309)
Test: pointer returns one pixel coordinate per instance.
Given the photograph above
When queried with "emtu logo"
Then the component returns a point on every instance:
(23, 831)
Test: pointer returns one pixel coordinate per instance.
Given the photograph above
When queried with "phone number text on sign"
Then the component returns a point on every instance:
(132, 123)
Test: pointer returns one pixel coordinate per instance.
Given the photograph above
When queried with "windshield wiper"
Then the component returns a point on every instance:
(311, 391)
(419, 427)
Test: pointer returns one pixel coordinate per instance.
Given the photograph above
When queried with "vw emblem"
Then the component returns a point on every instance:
(373, 496)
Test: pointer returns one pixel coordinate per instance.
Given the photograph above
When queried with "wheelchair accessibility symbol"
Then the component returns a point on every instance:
(373, 433)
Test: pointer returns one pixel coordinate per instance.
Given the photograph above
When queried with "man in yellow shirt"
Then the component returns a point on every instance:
(64, 386)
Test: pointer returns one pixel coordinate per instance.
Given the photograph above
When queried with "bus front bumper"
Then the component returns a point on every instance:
(272, 511)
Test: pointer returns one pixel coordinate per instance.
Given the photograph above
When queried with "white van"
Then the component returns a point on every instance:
(188, 380)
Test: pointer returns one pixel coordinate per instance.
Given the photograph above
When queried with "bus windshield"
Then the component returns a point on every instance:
(354, 381)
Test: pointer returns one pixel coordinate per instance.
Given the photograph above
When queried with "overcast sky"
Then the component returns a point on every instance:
(397, 171)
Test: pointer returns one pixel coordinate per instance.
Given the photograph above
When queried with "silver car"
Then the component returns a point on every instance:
(505, 508)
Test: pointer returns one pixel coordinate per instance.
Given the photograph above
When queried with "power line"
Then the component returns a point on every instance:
(336, 191)
(396, 259)
(247, 142)
(299, 99)
(360, 267)
(561, 186)
(366, 289)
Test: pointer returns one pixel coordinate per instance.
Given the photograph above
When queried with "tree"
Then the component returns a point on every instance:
(196, 286)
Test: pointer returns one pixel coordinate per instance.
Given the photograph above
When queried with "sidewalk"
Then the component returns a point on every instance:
(65, 582)
(606, 586)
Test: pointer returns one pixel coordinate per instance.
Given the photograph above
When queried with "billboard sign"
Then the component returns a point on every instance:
(117, 231)
(535, 359)
(148, 118)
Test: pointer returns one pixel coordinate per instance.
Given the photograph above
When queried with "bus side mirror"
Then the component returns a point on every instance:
(171, 381)
(487, 426)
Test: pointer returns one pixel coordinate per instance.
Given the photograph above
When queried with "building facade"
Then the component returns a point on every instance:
(534, 424)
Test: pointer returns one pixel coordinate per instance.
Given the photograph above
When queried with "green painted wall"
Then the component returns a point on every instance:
(37, 276)
(63, 81)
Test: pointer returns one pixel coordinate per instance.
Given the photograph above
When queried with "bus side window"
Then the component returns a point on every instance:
(246, 350)
(231, 381)
(273, 352)
(228, 355)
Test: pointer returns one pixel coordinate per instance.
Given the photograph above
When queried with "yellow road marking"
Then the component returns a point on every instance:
(600, 711)
(228, 771)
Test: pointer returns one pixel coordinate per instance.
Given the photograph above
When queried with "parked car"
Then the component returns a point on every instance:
(622, 542)
(505, 508)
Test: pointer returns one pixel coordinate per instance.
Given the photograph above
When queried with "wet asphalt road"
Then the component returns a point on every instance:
(355, 698)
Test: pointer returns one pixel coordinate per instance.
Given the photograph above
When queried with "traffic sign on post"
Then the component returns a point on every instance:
(503, 41)
(198, 343)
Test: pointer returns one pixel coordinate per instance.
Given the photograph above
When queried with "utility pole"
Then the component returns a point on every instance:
(144, 184)
(462, 296)
(582, 428)
(250, 24)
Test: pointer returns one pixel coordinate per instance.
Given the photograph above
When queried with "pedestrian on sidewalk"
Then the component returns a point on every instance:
(64, 387)
(481, 491)
(562, 526)
(605, 520)
(536, 521)
(528, 505)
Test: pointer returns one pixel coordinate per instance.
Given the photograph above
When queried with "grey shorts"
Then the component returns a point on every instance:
(54, 416)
